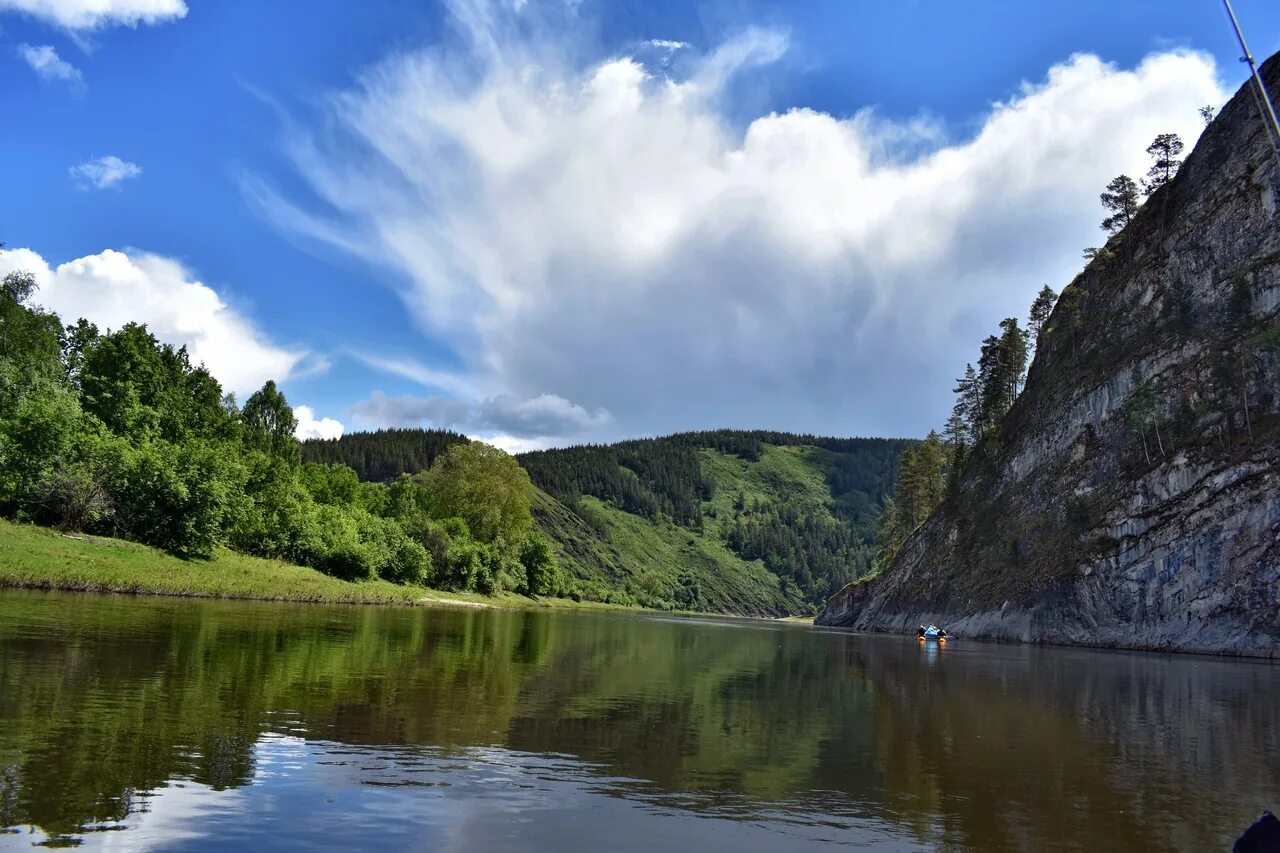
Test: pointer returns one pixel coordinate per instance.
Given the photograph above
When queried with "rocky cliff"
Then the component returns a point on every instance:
(1131, 498)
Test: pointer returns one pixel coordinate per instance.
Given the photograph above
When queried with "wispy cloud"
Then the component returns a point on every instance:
(542, 417)
(104, 172)
(96, 14)
(44, 60)
(610, 234)
(415, 371)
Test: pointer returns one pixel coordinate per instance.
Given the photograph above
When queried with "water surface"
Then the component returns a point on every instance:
(185, 725)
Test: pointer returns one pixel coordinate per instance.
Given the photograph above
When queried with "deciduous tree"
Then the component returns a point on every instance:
(269, 422)
(484, 487)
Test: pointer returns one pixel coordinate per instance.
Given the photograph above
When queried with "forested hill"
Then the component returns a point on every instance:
(383, 455)
(733, 521)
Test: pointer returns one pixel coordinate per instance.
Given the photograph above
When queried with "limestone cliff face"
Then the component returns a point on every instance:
(1065, 529)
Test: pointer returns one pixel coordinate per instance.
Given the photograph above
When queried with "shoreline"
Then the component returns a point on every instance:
(42, 558)
(1266, 656)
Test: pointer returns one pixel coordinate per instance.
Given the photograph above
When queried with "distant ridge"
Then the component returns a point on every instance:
(737, 521)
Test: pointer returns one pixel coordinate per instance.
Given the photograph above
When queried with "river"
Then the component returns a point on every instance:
(148, 723)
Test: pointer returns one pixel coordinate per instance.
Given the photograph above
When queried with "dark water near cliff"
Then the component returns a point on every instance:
(179, 725)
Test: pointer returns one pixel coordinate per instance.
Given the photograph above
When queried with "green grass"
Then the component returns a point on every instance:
(41, 558)
(794, 472)
(624, 557)
(637, 561)
(621, 560)
(627, 559)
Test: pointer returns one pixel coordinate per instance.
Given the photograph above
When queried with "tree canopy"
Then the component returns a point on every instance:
(120, 434)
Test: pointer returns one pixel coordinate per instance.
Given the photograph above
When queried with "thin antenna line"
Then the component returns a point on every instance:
(1260, 93)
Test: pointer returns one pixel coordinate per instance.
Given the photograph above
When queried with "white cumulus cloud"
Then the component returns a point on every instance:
(113, 288)
(309, 426)
(44, 60)
(515, 444)
(95, 14)
(104, 172)
(605, 234)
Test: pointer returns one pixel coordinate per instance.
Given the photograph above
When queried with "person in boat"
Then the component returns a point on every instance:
(933, 632)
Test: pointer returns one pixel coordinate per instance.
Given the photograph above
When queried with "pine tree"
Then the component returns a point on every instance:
(992, 389)
(957, 429)
(1013, 357)
(1121, 200)
(1165, 150)
(919, 491)
(889, 533)
(929, 485)
(968, 401)
(1041, 308)
(957, 435)
(1141, 410)
(1206, 113)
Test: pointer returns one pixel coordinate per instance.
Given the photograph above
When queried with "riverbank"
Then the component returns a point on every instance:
(41, 558)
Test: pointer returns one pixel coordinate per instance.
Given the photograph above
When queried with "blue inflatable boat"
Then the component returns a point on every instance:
(931, 634)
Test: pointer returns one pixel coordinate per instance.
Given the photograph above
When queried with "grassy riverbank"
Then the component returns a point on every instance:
(40, 558)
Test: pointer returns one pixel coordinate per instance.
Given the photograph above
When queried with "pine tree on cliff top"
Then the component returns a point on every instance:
(1041, 308)
(1121, 200)
(1165, 150)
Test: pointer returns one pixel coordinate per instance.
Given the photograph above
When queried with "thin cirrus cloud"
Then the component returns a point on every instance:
(104, 173)
(416, 371)
(541, 416)
(79, 15)
(113, 288)
(44, 60)
(607, 234)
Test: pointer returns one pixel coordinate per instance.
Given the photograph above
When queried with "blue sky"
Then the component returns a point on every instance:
(531, 222)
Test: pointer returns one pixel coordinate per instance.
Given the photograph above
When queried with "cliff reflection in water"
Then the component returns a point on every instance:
(809, 734)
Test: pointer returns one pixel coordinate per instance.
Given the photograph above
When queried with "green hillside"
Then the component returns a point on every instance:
(750, 522)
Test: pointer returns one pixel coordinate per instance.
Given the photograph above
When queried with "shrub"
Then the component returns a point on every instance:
(38, 430)
(275, 519)
(176, 497)
(542, 575)
(330, 541)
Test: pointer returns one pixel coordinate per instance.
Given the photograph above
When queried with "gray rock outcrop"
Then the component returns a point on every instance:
(1132, 496)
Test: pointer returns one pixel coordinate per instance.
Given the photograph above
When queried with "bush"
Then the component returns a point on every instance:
(430, 534)
(37, 431)
(76, 493)
(177, 497)
(464, 566)
(336, 485)
(410, 563)
(275, 520)
(329, 540)
(542, 575)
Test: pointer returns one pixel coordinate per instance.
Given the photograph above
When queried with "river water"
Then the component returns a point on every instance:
(140, 723)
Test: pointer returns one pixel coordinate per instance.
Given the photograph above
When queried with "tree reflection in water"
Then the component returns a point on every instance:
(104, 701)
